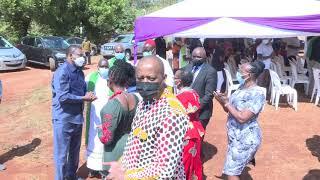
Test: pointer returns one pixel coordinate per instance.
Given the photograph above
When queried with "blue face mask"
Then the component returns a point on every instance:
(240, 78)
(147, 53)
(119, 55)
(104, 73)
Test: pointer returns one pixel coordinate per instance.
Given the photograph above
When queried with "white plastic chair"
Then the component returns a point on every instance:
(233, 75)
(316, 87)
(300, 66)
(299, 78)
(229, 83)
(285, 69)
(233, 66)
(283, 77)
(282, 89)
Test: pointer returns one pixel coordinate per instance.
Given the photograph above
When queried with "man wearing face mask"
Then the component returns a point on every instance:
(155, 144)
(264, 54)
(118, 55)
(68, 97)
(204, 82)
(97, 82)
(149, 49)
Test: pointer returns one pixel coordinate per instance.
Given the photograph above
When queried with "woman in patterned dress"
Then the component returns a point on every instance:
(243, 107)
(189, 98)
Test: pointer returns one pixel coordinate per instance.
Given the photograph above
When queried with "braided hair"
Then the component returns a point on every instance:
(120, 73)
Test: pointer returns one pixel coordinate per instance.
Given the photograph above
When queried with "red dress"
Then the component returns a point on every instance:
(192, 149)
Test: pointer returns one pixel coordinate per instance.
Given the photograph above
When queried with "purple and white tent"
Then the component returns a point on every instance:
(232, 19)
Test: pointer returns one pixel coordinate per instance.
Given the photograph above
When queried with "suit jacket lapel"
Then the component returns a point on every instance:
(200, 74)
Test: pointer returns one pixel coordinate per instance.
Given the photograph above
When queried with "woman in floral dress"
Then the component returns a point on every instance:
(243, 107)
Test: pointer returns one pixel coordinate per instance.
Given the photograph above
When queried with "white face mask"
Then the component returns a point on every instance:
(79, 62)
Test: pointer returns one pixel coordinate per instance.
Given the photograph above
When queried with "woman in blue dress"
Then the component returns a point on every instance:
(243, 107)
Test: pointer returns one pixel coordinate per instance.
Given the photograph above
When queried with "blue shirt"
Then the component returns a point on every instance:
(68, 87)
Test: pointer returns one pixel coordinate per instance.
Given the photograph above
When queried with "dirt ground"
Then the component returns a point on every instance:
(290, 149)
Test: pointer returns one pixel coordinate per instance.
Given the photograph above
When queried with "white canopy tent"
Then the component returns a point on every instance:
(231, 18)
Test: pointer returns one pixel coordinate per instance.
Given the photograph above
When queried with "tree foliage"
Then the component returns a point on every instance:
(99, 19)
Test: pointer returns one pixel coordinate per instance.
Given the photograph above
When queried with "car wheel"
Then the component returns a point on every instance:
(128, 54)
(52, 64)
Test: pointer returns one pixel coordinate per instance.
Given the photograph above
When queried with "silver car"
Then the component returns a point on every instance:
(11, 58)
(127, 40)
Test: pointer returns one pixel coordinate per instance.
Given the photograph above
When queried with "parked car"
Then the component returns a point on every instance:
(78, 41)
(10, 57)
(49, 51)
(127, 40)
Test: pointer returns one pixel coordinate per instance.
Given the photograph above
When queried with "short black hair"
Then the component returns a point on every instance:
(186, 78)
(257, 67)
(72, 48)
(121, 72)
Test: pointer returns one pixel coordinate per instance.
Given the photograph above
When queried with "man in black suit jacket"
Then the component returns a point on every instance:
(204, 82)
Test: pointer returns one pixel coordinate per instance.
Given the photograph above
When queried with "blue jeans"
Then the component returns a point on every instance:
(66, 147)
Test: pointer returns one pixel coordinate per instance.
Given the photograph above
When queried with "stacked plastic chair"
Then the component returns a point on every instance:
(278, 89)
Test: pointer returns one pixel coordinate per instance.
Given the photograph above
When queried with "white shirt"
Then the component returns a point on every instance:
(95, 148)
(195, 73)
(168, 71)
(265, 50)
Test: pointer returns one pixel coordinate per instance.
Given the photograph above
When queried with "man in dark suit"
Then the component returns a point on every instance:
(204, 82)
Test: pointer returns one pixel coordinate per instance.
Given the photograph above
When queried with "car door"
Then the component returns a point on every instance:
(25, 47)
(39, 51)
(31, 49)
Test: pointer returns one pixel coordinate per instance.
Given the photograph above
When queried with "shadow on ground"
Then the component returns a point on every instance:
(313, 145)
(20, 150)
(209, 151)
(313, 174)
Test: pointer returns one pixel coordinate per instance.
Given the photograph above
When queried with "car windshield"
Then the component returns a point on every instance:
(55, 43)
(123, 39)
(4, 44)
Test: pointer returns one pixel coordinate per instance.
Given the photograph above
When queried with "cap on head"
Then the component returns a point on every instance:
(151, 42)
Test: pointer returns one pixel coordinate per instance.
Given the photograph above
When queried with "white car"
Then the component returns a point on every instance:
(11, 58)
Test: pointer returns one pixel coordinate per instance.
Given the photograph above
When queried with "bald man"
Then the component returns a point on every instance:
(154, 146)
(119, 54)
(204, 82)
(149, 48)
(97, 82)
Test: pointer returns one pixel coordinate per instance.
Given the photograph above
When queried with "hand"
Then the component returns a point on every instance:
(222, 98)
(89, 97)
(116, 172)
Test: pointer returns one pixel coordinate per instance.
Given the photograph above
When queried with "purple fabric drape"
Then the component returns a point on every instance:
(309, 23)
(152, 27)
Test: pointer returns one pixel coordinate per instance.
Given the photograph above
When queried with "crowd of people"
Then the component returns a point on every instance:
(148, 120)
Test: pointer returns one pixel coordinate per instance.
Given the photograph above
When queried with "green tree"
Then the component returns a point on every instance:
(18, 15)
